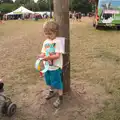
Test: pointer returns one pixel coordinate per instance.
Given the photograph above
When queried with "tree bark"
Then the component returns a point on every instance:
(61, 15)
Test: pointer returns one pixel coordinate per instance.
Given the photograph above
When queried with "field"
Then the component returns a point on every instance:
(95, 72)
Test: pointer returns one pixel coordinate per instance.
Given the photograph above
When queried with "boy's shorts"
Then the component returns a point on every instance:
(54, 79)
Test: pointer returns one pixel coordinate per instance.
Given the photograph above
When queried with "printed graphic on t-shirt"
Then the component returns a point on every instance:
(50, 50)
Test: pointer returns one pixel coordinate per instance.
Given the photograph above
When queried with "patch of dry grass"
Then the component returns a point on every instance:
(95, 72)
(99, 55)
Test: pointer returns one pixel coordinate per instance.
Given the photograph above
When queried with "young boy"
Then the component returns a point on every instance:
(52, 52)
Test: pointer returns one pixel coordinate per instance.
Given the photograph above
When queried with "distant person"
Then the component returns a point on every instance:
(79, 16)
(45, 16)
(70, 15)
(51, 52)
(40, 16)
(74, 16)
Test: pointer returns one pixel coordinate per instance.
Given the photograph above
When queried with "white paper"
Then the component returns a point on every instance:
(62, 40)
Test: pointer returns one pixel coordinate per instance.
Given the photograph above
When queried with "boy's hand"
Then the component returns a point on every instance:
(50, 62)
(40, 56)
(46, 58)
(52, 57)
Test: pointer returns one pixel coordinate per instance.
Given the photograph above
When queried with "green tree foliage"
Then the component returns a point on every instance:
(20, 2)
(6, 1)
(80, 5)
(7, 7)
(44, 5)
(41, 5)
(31, 6)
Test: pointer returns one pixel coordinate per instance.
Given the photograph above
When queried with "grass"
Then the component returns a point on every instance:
(95, 75)
(99, 63)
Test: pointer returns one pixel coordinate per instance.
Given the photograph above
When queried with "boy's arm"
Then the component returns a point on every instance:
(52, 57)
(42, 55)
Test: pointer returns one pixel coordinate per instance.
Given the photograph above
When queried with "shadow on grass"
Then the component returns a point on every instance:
(109, 29)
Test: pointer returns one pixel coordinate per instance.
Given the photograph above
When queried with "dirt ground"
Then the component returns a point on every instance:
(95, 65)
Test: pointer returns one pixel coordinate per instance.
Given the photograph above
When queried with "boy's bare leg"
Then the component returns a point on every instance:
(59, 101)
(60, 92)
(51, 93)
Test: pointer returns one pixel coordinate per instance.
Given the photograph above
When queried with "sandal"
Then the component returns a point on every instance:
(57, 103)
(50, 95)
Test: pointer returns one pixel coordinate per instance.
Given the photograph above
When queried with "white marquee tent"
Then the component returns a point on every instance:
(20, 10)
(44, 12)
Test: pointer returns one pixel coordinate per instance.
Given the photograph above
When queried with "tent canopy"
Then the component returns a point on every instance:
(20, 10)
(44, 12)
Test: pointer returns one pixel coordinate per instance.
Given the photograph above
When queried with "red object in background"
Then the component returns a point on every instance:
(97, 17)
(2, 22)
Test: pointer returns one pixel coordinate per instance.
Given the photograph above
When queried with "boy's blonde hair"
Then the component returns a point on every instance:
(51, 26)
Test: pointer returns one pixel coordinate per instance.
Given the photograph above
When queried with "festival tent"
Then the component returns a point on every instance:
(20, 10)
(44, 12)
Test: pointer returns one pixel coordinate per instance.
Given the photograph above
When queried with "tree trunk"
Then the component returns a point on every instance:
(61, 14)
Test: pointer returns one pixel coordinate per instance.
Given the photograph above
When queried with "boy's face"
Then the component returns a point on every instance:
(50, 35)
